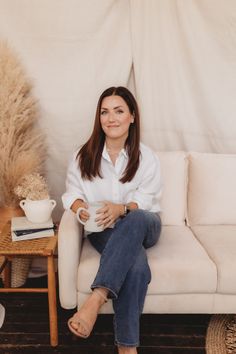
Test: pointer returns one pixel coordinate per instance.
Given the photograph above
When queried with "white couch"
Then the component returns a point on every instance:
(193, 264)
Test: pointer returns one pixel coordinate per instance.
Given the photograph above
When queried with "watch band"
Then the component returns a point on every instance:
(126, 209)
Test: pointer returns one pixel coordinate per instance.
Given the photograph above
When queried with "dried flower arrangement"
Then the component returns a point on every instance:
(22, 146)
(33, 187)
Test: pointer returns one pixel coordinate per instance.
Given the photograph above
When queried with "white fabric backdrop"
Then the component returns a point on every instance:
(72, 50)
(184, 54)
(178, 56)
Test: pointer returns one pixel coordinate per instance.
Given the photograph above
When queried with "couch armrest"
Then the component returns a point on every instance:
(70, 237)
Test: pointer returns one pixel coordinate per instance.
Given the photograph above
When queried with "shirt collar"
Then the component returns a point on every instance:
(106, 156)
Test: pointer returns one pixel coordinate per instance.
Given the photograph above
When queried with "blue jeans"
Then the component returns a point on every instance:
(124, 269)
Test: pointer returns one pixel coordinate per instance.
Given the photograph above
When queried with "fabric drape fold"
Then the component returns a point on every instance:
(177, 56)
(185, 73)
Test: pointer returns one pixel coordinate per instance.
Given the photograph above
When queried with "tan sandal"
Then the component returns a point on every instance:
(79, 321)
(76, 319)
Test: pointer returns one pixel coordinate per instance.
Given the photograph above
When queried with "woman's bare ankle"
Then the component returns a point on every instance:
(127, 350)
(101, 294)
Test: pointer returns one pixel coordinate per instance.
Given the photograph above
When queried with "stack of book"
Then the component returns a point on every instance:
(23, 229)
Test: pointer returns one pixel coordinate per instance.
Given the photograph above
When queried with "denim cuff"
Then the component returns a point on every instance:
(110, 295)
(129, 345)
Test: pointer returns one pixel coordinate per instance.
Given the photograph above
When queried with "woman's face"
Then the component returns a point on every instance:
(115, 117)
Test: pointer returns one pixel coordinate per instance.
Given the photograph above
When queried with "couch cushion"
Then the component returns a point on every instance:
(211, 189)
(178, 263)
(220, 243)
(174, 180)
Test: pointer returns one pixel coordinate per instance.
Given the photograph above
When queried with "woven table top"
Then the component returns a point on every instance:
(40, 247)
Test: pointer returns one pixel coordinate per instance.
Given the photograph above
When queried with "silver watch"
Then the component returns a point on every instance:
(126, 209)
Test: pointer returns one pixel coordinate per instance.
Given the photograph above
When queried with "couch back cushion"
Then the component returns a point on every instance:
(174, 187)
(211, 189)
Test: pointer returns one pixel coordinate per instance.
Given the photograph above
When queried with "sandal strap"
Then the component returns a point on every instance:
(76, 319)
(100, 293)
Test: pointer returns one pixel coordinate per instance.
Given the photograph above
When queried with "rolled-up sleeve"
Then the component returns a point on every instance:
(74, 188)
(148, 192)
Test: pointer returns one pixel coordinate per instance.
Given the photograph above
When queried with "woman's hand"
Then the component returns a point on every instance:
(109, 213)
(79, 203)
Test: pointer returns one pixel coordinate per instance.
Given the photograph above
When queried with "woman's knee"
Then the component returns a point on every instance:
(139, 215)
(145, 217)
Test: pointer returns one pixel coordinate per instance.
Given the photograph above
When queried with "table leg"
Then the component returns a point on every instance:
(52, 302)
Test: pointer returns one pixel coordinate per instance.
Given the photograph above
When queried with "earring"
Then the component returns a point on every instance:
(132, 121)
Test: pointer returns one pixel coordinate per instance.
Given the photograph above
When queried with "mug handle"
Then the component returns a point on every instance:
(78, 212)
(53, 202)
(22, 204)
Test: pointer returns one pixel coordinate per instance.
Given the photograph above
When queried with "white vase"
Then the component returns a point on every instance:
(38, 211)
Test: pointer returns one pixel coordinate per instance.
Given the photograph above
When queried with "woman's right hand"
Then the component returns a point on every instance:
(79, 203)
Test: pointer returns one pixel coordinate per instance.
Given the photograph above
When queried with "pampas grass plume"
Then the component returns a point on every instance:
(22, 146)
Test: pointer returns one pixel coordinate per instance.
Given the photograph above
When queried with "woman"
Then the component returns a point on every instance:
(114, 167)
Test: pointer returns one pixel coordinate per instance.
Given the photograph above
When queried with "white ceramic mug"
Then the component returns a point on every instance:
(38, 211)
(91, 225)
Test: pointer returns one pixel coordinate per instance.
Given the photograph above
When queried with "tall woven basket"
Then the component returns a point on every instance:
(20, 266)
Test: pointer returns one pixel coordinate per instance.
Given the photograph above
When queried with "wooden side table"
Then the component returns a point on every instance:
(42, 247)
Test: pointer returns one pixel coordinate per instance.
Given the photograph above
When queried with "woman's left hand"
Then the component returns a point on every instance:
(109, 213)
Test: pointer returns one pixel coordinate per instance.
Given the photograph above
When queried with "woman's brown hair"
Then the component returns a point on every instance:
(90, 154)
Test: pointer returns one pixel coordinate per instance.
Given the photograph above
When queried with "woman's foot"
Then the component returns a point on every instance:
(127, 350)
(81, 324)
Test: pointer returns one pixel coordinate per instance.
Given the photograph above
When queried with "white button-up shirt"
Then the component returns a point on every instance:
(144, 189)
